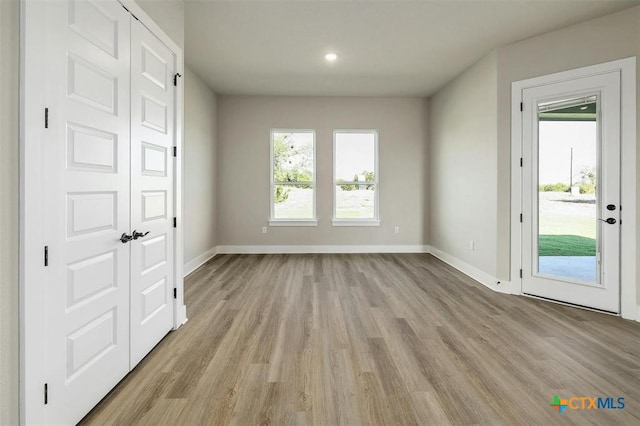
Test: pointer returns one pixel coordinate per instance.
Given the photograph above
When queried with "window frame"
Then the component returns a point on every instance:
(375, 221)
(273, 221)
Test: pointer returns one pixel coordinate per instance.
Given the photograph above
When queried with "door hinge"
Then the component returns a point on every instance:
(175, 222)
(175, 293)
(175, 78)
(521, 106)
(520, 273)
(520, 217)
(175, 151)
(520, 161)
(46, 118)
(46, 393)
(46, 255)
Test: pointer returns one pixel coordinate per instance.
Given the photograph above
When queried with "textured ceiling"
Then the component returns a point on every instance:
(385, 48)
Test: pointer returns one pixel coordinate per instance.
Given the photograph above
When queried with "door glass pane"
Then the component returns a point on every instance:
(568, 147)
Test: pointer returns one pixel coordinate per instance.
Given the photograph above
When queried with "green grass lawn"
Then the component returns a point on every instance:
(563, 235)
(566, 245)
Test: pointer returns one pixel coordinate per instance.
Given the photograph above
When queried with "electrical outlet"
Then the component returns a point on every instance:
(264, 229)
(472, 245)
(396, 230)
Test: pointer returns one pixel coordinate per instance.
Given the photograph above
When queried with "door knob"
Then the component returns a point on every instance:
(137, 234)
(610, 220)
(124, 238)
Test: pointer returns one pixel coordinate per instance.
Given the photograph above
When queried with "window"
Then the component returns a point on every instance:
(355, 174)
(293, 178)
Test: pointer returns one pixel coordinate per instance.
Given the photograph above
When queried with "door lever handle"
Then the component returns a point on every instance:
(610, 221)
(124, 238)
(137, 234)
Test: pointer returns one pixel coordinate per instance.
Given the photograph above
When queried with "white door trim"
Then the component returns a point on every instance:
(32, 313)
(628, 268)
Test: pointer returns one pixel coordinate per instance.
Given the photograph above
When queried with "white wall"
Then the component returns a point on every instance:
(200, 171)
(244, 125)
(462, 165)
(9, 240)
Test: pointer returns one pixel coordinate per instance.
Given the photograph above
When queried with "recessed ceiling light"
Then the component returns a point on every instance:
(583, 108)
(331, 57)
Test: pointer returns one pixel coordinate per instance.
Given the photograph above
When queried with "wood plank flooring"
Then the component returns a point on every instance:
(373, 339)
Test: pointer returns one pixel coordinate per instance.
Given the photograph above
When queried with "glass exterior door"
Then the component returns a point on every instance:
(571, 191)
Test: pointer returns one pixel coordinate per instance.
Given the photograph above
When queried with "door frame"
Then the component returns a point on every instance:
(628, 270)
(32, 272)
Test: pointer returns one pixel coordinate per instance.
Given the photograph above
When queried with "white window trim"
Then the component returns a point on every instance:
(375, 221)
(273, 221)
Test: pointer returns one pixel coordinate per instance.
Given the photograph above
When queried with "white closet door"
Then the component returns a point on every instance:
(86, 182)
(152, 168)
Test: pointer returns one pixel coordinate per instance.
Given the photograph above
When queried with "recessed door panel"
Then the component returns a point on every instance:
(154, 160)
(154, 205)
(154, 298)
(89, 84)
(154, 68)
(92, 212)
(90, 343)
(91, 149)
(154, 113)
(92, 23)
(154, 253)
(90, 278)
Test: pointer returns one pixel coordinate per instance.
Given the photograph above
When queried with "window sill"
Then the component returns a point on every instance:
(351, 222)
(293, 222)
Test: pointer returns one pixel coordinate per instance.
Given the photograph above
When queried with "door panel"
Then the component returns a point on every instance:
(152, 139)
(87, 185)
(571, 137)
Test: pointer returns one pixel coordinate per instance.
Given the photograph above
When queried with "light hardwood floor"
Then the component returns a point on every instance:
(373, 339)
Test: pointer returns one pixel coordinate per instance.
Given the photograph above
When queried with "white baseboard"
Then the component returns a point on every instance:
(194, 264)
(322, 249)
(471, 271)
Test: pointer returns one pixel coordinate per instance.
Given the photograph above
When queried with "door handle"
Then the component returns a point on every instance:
(137, 234)
(124, 238)
(610, 221)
